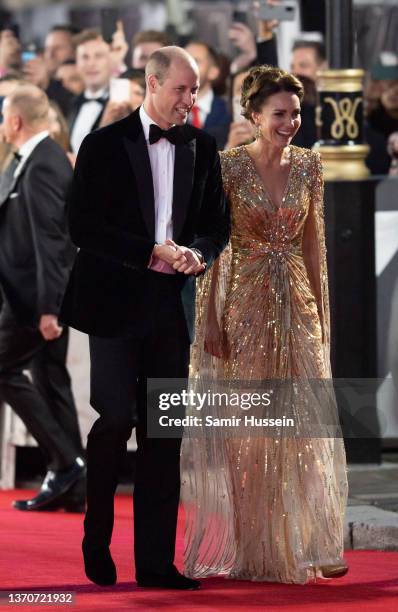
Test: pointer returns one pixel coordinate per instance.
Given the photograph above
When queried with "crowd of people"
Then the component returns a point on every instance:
(148, 213)
(77, 72)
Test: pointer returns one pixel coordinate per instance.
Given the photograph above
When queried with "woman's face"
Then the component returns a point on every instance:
(279, 118)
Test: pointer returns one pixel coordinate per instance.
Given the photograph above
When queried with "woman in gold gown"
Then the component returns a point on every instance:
(260, 506)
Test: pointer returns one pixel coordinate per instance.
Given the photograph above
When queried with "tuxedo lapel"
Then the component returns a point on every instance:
(75, 111)
(184, 167)
(98, 119)
(8, 182)
(137, 152)
(80, 100)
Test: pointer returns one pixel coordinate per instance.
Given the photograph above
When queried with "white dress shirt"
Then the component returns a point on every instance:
(27, 148)
(161, 155)
(86, 117)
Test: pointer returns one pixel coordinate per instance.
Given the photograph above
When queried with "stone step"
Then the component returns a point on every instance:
(370, 528)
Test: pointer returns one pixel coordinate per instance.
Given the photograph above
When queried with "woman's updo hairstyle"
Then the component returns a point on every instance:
(263, 82)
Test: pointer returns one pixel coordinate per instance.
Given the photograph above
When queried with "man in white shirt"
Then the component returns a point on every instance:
(210, 112)
(95, 65)
(148, 212)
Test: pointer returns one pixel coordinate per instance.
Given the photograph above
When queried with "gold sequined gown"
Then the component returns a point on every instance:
(258, 507)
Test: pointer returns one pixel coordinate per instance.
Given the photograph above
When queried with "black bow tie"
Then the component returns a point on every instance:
(102, 100)
(174, 134)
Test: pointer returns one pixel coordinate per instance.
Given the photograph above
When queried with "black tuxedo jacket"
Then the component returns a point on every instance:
(112, 220)
(36, 253)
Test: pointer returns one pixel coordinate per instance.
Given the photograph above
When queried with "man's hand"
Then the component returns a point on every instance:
(10, 50)
(49, 328)
(35, 71)
(168, 252)
(114, 111)
(119, 47)
(266, 28)
(187, 261)
(243, 38)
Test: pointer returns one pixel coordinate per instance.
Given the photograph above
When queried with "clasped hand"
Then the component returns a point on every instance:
(49, 327)
(181, 258)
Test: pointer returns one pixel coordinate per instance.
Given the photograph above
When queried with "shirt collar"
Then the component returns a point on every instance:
(204, 102)
(95, 95)
(26, 149)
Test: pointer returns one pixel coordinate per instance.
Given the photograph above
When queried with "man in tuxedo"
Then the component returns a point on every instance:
(36, 255)
(94, 63)
(148, 212)
(210, 111)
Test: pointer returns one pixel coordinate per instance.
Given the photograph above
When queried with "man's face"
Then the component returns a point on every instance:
(93, 61)
(305, 63)
(170, 102)
(10, 49)
(143, 52)
(57, 49)
(70, 78)
(389, 97)
(207, 71)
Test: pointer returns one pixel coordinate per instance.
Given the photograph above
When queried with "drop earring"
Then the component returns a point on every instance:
(258, 132)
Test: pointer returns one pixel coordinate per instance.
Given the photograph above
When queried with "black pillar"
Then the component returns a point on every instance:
(349, 214)
(339, 33)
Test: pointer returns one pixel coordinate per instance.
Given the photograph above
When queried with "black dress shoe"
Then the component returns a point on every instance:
(98, 564)
(171, 580)
(74, 500)
(54, 487)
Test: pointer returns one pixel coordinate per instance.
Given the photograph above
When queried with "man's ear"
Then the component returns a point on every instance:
(17, 122)
(152, 83)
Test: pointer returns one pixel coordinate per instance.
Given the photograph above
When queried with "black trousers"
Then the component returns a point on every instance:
(156, 348)
(45, 404)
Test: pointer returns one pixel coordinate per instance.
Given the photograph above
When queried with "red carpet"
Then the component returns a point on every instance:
(42, 551)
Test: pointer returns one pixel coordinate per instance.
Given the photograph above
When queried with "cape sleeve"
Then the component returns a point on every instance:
(314, 249)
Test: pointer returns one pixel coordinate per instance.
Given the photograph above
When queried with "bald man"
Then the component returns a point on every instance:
(148, 213)
(36, 256)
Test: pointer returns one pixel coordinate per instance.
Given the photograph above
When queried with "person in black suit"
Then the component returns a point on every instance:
(148, 212)
(211, 112)
(94, 63)
(36, 255)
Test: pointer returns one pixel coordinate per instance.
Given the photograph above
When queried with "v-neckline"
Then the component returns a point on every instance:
(263, 186)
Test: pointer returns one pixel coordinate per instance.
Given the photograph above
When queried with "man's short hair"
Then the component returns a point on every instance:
(65, 27)
(211, 52)
(151, 36)
(158, 64)
(31, 102)
(318, 47)
(161, 60)
(86, 36)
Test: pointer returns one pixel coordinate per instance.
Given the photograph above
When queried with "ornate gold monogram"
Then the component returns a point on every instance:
(344, 110)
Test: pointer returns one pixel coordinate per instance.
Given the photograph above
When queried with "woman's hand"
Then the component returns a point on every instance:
(215, 341)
